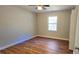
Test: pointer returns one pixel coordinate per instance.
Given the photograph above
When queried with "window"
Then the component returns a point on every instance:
(52, 23)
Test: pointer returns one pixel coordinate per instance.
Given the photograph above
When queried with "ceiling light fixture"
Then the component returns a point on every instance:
(39, 7)
(42, 7)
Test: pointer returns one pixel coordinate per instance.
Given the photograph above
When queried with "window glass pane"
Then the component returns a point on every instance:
(53, 27)
(52, 19)
(50, 28)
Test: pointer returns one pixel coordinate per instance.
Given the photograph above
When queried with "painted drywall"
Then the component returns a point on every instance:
(16, 24)
(76, 51)
(63, 24)
(72, 28)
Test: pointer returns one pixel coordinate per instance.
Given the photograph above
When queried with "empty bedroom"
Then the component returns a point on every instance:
(38, 29)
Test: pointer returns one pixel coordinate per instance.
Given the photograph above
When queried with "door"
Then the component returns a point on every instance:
(76, 47)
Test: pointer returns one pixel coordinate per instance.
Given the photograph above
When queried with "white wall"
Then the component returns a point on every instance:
(16, 24)
(76, 45)
(72, 28)
(62, 26)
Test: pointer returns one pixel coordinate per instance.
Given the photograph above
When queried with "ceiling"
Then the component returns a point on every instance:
(49, 9)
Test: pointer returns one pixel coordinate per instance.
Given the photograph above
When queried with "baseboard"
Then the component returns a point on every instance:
(14, 43)
(71, 50)
(53, 37)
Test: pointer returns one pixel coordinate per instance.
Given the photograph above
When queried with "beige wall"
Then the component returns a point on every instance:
(63, 24)
(15, 23)
(72, 28)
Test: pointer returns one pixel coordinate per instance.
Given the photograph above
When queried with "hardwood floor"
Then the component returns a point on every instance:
(39, 45)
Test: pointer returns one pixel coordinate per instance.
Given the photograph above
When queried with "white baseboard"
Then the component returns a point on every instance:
(53, 37)
(71, 48)
(14, 43)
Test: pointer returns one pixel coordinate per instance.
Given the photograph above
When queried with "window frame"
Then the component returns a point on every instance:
(52, 23)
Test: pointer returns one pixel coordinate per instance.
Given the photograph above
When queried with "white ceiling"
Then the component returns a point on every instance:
(49, 9)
